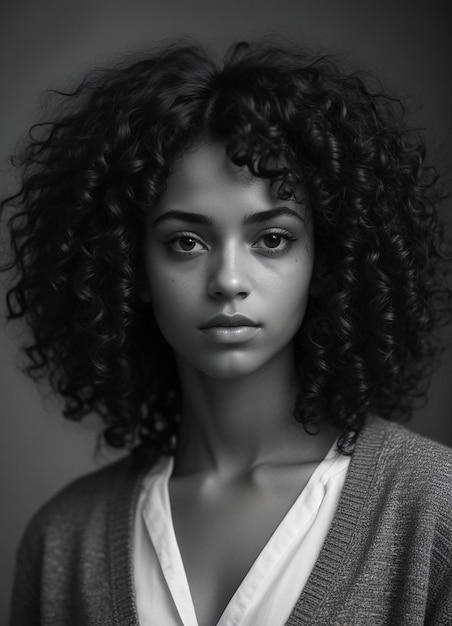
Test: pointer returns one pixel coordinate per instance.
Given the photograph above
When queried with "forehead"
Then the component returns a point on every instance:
(206, 180)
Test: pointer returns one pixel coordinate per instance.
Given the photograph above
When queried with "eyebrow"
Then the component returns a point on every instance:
(253, 218)
(263, 216)
(184, 216)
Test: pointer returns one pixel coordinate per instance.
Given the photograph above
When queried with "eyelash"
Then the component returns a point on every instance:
(170, 244)
(283, 234)
(286, 236)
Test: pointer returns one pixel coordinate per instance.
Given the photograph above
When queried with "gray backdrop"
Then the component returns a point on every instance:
(47, 42)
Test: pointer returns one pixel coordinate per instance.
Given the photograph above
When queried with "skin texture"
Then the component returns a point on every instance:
(241, 458)
(195, 271)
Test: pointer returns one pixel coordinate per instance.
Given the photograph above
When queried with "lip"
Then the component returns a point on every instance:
(230, 334)
(229, 321)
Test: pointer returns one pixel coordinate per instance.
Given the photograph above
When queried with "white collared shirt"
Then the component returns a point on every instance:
(271, 587)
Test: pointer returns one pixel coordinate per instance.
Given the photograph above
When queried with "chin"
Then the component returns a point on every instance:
(231, 366)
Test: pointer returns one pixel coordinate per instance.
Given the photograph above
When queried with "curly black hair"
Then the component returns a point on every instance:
(367, 341)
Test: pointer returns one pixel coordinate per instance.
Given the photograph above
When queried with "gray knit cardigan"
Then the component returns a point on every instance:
(387, 558)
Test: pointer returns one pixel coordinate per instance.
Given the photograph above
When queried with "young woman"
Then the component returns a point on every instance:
(240, 268)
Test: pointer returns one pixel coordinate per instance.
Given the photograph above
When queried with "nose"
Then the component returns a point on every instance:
(228, 274)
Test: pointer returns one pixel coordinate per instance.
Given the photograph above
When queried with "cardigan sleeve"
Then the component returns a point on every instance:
(68, 570)
(441, 607)
(25, 603)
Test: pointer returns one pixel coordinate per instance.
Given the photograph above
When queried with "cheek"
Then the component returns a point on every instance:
(166, 295)
(169, 312)
(291, 290)
(172, 293)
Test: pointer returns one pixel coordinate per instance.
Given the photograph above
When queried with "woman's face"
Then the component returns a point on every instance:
(228, 265)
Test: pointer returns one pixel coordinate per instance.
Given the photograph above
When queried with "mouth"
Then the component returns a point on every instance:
(230, 329)
(237, 320)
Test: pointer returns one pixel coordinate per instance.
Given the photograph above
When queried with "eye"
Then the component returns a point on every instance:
(274, 242)
(185, 244)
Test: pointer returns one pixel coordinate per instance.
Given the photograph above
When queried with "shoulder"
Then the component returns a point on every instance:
(85, 503)
(415, 453)
(64, 559)
(412, 468)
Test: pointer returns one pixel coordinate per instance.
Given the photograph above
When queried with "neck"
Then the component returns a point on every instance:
(229, 426)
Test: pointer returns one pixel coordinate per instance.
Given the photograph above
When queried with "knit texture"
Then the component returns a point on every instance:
(387, 558)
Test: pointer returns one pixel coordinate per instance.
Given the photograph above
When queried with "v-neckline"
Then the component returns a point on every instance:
(337, 545)
(160, 525)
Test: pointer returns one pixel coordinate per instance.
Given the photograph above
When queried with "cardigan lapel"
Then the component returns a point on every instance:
(340, 538)
(121, 517)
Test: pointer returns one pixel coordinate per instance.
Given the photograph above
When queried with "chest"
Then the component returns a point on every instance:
(221, 532)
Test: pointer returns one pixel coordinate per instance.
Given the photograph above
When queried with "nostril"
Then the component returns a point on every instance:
(225, 293)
